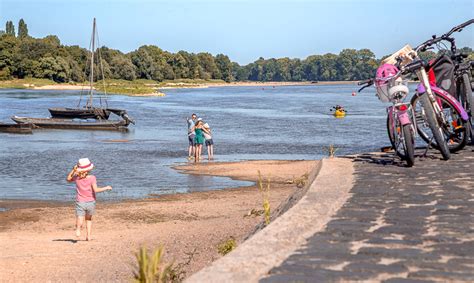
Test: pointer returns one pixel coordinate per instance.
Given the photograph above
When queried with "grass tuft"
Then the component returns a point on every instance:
(150, 268)
(265, 190)
(227, 246)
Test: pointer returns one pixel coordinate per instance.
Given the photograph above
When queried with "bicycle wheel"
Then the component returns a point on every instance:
(408, 137)
(428, 126)
(465, 97)
(456, 131)
(399, 140)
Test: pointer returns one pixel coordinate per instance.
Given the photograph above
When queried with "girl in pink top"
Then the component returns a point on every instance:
(86, 188)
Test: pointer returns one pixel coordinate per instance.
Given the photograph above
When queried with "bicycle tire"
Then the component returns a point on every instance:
(409, 150)
(434, 126)
(409, 140)
(465, 96)
(458, 140)
(390, 136)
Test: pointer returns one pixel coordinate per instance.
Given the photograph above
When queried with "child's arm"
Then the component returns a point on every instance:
(71, 174)
(98, 190)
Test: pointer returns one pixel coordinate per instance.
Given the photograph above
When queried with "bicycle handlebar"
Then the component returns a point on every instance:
(422, 47)
(460, 27)
(364, 82)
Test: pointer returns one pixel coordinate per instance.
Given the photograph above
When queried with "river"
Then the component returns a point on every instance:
(286, 122)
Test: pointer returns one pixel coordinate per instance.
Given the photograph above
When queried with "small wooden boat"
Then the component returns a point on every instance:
(81, 113)
(78, 124)
(16, 128)
(89, 110)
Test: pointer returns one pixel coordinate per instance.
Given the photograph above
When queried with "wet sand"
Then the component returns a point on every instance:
(38, 243)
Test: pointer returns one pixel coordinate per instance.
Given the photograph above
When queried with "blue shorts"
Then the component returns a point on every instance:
(209, 142)
(191, 140)
(85, 208)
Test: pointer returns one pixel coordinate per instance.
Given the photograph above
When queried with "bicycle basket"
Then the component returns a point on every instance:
(385, 74)
(402, 53)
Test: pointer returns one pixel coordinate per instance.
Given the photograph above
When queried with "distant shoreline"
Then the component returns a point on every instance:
(159, 87)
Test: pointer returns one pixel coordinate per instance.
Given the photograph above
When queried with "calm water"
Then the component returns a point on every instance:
(248, 123)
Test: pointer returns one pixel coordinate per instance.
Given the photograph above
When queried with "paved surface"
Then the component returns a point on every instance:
(269, 247)
(400, 225)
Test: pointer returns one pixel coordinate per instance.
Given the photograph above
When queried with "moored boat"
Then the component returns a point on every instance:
(24, 128)
(100, 112)
(78, 124)
(81, 113)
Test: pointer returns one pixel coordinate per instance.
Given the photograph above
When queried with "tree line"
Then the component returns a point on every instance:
(24, 56)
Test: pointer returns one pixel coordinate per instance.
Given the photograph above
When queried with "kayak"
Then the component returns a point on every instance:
(339, 113)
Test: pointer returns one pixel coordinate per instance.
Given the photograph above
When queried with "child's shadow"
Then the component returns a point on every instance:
(66, 240)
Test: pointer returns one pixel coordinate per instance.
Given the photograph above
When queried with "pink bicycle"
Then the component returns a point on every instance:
(392, 87)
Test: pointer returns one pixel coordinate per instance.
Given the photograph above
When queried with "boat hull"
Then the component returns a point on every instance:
(16, 128)
(84, 113)
(56, 123)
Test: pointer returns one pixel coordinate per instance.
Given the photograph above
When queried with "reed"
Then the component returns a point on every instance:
(151, 268)
(227, 246)
(265, 190)
(332, 150)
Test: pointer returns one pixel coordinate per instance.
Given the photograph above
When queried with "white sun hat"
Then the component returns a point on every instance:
(199, 119)
(206, 125)
(84, 164)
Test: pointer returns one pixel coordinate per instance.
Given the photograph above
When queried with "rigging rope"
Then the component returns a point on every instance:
(85, 75)
(102, 72)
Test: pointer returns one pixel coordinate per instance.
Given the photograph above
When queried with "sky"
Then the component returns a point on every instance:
(245, 29)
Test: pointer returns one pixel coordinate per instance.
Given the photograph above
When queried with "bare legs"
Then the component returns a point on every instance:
(210, 152)
(191, 151)
(198, 152)
(88, 227)
(80, 222)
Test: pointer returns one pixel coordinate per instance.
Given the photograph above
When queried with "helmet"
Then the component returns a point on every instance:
(384, 73)
(385, 86)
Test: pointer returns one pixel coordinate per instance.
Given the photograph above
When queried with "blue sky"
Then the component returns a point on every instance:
(245, 29)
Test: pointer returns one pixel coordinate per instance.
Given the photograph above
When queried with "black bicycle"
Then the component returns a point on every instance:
(452, 72)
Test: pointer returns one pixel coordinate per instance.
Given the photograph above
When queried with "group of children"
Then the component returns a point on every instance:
(86, 184)
(199, 133)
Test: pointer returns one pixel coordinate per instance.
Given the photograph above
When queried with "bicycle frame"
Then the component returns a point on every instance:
(394, 112)
(420, 90)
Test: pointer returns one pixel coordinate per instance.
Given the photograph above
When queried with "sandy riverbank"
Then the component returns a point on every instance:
(189, 85)
(38, 243)
(256, 84)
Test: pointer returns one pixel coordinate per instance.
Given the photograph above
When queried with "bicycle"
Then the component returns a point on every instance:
(452, 78)
(431, 111)
(391, 87)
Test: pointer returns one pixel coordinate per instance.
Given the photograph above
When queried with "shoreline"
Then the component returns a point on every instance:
(182, 85)
(38, 243)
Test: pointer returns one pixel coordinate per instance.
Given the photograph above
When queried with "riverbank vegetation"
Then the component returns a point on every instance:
(22, 56)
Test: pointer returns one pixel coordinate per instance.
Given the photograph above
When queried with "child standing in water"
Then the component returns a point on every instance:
(209, 142)
(86, 188)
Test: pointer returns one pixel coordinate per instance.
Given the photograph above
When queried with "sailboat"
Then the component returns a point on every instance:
(89, 117)
(89, 110)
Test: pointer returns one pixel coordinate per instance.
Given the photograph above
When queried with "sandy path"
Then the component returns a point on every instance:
(38, 243)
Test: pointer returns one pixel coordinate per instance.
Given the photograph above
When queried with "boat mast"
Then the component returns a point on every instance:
(89, 102)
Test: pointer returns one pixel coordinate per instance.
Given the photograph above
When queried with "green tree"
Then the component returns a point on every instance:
(144, 63)
(56, 69)
(22, 29)
(209, 67)
(10, 28)
(225, 67)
